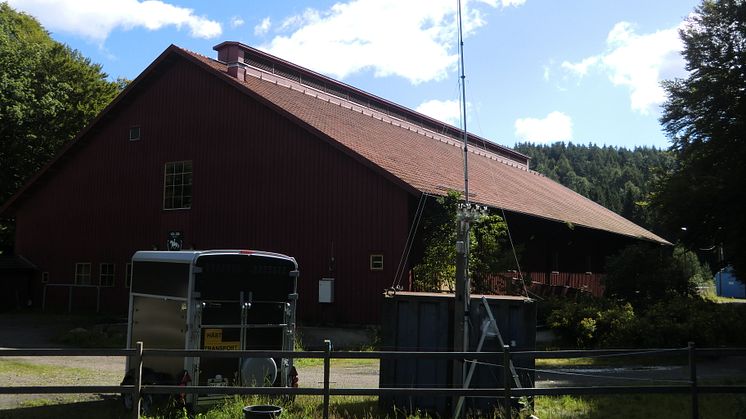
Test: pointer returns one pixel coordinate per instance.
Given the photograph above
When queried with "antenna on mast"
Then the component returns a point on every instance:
(463, 105)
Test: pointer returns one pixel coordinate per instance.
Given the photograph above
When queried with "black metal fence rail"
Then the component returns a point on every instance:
(690, 386)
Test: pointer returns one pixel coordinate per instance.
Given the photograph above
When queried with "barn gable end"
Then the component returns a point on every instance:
(259, 181)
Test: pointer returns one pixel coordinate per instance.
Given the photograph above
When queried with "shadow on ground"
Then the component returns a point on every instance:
(110, 409)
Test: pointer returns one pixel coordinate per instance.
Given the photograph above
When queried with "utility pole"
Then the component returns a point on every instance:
(466, 214)
(461, 303)
(462, 297)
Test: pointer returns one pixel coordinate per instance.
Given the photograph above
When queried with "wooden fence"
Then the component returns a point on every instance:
(138, 389)
(543, 284)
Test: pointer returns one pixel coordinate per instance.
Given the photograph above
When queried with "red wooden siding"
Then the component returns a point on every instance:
(259, 182)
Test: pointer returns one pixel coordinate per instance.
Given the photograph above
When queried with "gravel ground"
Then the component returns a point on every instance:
(349, 376)
(39, 331)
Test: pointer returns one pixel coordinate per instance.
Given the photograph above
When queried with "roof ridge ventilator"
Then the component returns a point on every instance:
(243, 60)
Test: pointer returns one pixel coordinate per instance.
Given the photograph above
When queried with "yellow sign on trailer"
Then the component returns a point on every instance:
(214, 341)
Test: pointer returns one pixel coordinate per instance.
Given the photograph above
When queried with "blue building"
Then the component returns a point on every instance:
(727, 285)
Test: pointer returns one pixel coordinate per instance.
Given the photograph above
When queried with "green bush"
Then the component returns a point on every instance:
(592, 323)
(606, 323)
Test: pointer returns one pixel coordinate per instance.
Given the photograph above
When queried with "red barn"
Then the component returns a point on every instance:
(250, 151)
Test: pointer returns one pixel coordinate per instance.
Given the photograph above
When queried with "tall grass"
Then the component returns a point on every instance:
(640, 406)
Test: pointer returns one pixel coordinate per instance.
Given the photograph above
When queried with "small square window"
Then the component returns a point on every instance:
(376, 262)
(106, 275)
(83, 273)
(45, 277)
(128, 276)
(134, 133)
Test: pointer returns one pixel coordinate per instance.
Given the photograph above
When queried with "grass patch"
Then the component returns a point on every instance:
(47, 373)
(610, 361)
(726, 300)
(318, 362)
(84, 338)
(110, 409)
(567, 362)
(562, 407)
(340, 407)
(38, 403)
(725, 406)
(60, 399)
(639, 406)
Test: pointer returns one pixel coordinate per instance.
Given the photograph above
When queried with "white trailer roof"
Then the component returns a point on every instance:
(189, 256)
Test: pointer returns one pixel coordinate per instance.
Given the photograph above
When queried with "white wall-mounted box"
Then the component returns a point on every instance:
(326, 290)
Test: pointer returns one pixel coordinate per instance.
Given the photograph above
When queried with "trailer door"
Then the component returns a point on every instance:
(244, 305)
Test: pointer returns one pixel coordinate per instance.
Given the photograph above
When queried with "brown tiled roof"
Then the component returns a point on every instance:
(427, 161)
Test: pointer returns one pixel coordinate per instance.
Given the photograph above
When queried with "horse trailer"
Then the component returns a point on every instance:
(212, 300)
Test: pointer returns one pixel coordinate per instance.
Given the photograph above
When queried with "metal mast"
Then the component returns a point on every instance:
(462, 297)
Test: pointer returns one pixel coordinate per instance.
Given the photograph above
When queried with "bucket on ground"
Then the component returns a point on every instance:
(262, 411)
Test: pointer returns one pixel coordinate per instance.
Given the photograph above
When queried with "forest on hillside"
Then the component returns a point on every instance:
(617, 178)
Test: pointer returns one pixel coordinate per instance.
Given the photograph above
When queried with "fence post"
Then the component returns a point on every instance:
(136, 392)
(327, 359)
(507, 378)
(693, 378)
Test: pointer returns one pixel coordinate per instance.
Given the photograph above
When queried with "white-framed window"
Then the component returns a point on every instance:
(83, 273)
(376, 262)
(106, 274)
(128, 276)
(177, 185)
(134, 133)
(45, 277)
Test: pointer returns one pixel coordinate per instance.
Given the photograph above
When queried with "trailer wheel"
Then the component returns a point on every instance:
(146, 403)
(127, 401)
(146, 400)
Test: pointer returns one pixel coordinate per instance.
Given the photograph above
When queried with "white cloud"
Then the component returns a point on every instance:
(514, 3)
(448, 111)
(503, 3)
(237, 21)
(581, 68)
(554, 127)
(263, 26)
(413, 39)
(294, 22)
(638, 62)
(95, 19)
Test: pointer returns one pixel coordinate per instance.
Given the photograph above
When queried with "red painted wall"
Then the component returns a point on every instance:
(259, 182)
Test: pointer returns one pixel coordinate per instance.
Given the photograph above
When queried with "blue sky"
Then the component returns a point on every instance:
(536, 70)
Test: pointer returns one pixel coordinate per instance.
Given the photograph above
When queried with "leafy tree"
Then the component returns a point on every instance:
(437, 269)
(643, 274)
(490, 251)
(705, 117)
(48, 93)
